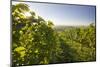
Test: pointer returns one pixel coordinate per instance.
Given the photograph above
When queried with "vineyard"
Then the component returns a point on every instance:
(38, 41)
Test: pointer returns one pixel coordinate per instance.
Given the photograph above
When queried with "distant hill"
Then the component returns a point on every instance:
(65, 27)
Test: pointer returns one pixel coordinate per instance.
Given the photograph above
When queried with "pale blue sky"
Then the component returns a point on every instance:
(62, 14)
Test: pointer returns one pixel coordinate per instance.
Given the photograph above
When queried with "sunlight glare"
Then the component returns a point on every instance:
(27, 14)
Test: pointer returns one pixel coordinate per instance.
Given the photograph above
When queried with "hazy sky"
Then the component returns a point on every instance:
(62, 14)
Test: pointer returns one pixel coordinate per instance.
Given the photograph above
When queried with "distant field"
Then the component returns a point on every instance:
(63, 27)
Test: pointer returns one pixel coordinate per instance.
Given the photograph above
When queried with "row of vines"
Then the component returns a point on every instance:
(35, 41)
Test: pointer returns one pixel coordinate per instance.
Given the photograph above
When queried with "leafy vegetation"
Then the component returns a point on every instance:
(36, 41)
